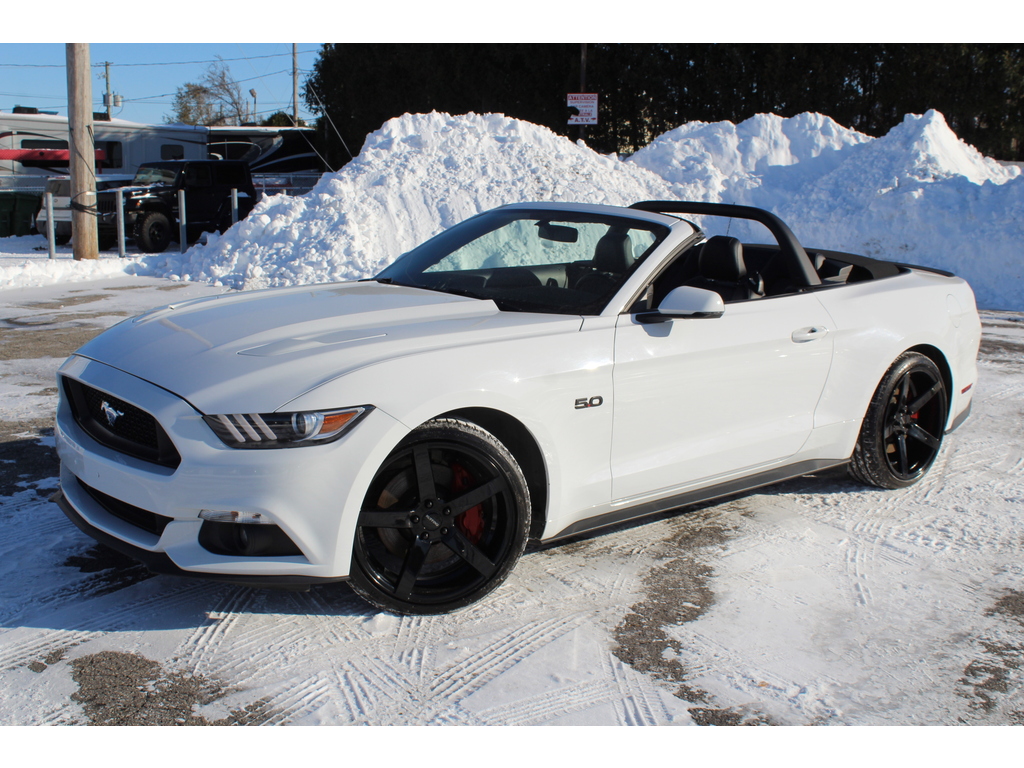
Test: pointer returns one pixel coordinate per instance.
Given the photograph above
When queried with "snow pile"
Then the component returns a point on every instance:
(708, 160)
(24, 263)
(416, 176)
(917, 195)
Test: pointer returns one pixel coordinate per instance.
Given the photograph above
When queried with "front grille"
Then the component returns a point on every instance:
(122, 426)
(106, 203)
(148, 521)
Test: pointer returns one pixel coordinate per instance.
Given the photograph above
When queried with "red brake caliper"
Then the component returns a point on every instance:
(470, 522)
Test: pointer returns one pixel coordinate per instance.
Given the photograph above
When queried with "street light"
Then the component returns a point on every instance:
(252, 92)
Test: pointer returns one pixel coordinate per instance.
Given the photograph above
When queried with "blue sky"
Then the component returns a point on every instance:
(147, 76)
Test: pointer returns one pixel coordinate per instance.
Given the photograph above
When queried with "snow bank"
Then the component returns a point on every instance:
(918, 194)
(416, 176)
(712, 160)
(24, 263)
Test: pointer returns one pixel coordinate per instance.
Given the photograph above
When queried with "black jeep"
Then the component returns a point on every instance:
(151, 213)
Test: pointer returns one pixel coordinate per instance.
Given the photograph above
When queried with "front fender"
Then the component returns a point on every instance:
(537, 381)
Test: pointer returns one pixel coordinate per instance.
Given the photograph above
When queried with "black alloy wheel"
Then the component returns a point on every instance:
(443, 522)
(153, 232)
(57, 239)
(902, 432)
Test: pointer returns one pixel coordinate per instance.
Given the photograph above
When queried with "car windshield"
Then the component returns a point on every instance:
(564, 262)
(150, 175)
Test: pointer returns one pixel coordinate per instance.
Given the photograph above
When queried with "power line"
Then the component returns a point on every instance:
(159, 63)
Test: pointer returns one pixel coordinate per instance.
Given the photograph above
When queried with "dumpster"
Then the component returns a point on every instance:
(25, 206)
(7, 202)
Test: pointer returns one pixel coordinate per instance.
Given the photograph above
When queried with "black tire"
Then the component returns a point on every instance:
(153, 232)
(902, 432)
(57, 239)
(443, 522)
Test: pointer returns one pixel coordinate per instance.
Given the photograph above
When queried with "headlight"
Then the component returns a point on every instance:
(284, 430)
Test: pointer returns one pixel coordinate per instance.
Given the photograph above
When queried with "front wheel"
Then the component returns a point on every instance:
(153, 232)
(902, 431)
(443, 522)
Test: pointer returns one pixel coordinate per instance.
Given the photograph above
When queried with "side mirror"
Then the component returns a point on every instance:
(685, 301)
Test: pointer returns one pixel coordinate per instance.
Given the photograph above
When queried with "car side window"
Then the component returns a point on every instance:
(198, 176)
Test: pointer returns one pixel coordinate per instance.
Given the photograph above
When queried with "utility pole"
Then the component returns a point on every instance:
(108, 99)
(82, 162)
(583, 83)
(295, 85)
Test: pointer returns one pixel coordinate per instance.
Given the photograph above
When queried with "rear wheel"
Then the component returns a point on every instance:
(153, 232)
(902, 431)
(443, 523)
(57, 239)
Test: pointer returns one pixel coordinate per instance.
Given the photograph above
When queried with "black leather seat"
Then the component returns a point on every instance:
(720, 268)
(613, 256)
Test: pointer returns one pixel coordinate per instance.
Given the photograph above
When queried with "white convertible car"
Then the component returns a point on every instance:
(537, 371)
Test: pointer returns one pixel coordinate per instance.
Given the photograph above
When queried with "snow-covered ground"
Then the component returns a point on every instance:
(817, 601)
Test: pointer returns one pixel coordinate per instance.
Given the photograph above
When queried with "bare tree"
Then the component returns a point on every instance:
(215, 100)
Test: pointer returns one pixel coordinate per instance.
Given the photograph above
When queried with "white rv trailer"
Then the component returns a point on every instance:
(35, 146)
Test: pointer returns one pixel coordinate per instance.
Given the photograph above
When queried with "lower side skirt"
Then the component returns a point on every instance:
(696, 496)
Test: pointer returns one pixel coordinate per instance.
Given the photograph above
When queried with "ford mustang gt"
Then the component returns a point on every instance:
(538, 371)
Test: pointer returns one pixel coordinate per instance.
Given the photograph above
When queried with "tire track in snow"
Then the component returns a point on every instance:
(635, 704)
(483, 666)
(541, 709)
(297, 701)
(23, 645)
(247, 641)
(430, 683)
(205, 641)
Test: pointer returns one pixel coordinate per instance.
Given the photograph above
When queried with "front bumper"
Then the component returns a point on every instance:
(313, 494)
(158, 562)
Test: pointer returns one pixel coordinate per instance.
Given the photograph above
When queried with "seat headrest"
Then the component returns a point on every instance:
(721, 258)
(613, 253)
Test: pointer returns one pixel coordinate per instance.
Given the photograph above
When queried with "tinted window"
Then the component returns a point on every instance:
(229, 175)
(151, 175)
(43, 144)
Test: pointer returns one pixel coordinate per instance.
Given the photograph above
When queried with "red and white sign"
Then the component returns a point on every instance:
(586, 104)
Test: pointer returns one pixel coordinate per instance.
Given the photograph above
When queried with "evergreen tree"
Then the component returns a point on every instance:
(645, 90)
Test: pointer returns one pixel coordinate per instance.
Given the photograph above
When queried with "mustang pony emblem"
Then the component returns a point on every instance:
(111, 414)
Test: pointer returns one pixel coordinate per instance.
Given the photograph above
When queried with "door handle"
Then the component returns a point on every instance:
(809, 334)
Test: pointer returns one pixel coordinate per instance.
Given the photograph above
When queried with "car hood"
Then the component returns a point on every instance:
(256, 351)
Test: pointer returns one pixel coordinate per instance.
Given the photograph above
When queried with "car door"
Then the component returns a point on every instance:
(201, 196)
(698, 399)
